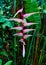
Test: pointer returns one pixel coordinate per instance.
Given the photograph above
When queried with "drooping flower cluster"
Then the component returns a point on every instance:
(21, 28)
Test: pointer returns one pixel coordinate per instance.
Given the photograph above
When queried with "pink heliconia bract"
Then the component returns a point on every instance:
(28, 24)
(27, 30)
(23, 51)
(21, 40)
(26, 36)
(16, 19)
(18, 11)
(19, 34)
(29, 14)
(18, 28)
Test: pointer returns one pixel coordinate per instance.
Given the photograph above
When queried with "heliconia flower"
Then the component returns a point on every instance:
(29, 14)
(18, 11)
(26, 36)
(28, 24)
(23, 53)
(21, 28)
(17, 28)
(27, 30)
(19, 34)
(16, 19)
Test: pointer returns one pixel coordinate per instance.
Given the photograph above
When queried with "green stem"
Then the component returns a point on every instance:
(42, 54)
(30, 48)
(14, 62)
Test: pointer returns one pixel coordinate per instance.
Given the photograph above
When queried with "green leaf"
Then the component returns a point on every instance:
(4, 53)
(2, 19)
(0, 62)
(8, 24)
(32, 6)
(8, 63)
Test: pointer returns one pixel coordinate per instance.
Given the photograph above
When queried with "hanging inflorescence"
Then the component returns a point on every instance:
(22, 28)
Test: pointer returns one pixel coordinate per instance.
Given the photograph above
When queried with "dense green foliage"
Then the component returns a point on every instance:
(10, 46)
